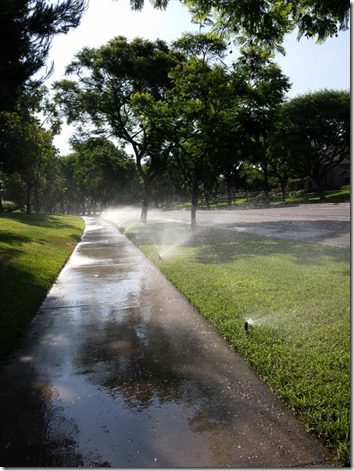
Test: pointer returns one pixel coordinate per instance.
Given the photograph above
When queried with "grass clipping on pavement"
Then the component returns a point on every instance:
(296, 298)
(33, 249)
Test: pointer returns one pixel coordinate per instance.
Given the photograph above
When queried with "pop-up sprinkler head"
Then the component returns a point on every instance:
(160, 258)
(246, 327)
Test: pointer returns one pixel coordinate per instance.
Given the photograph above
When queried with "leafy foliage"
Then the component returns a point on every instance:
(97, 173)
(316, 133)
(26, 31)
(31, 150)
(265, 22)
(109, 78)
(262, 87)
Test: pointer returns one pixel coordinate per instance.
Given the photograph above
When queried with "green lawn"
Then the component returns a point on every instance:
(33, 249)
(296, 294)
(295, 197)
(332, 196)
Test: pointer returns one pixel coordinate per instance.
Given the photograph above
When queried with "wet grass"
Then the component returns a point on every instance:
(297, 294)
(33, 249)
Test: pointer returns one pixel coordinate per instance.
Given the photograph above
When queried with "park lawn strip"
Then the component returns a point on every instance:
(33, 249)
(298, 197)
(298, 296)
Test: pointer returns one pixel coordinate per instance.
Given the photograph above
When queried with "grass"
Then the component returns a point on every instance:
(298, 296)
(295, 197)
(332, 196)
(33, 249)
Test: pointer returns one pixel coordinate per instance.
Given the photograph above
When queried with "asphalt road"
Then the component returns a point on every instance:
(325, 223)
(118, 370)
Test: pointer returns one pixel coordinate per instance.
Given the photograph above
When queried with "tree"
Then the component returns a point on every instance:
(108, 79)
(33, 153)
(262, 88)
(198, 105)
(102, 171)
(26, 31)
(265, 22)
(70, 198)
(316, 133)
(27, 107)
(231, 152)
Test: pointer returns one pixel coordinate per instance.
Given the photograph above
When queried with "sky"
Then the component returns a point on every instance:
(309, 66)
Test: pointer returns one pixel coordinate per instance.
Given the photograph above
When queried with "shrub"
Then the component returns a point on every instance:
(9, 206)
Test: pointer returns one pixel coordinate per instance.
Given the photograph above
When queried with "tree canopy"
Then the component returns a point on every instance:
(267, 21)
(316, 133)
(26, 31)
(108, 79)
(101, 173)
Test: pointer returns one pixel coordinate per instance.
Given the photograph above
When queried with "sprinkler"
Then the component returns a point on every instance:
(248, 323)
(160, 258)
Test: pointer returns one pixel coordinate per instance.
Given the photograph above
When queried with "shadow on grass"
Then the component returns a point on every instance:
(319, 230)
(21, 294)
(17, 240)
(13, 239)
(42, 220)
(216, 245)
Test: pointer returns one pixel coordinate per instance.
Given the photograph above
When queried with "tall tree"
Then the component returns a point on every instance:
(262, 87)
(108, 78)
(316, 133)
(199, 103)
(103, 172)
(33, 153)
(26, 31)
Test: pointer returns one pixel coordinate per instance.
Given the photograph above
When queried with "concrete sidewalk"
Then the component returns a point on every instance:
(119, 370)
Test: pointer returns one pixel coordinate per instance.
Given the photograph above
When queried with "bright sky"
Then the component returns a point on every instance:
(308, 65)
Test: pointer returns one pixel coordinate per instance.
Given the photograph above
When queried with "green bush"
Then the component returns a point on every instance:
(9, 206)
(297, 194)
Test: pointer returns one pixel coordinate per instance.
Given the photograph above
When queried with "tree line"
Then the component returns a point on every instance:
(157, 121)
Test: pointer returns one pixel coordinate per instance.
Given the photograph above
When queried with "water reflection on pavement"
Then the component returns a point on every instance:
(119, 370)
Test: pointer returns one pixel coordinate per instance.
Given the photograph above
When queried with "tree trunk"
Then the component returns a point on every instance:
(146, 201)
(265, 181)
(2, 210)
(320, 188)
(28, 200)
(37, 205)
(229, 195)
(283, 190)
(147, 184)
(194, 208)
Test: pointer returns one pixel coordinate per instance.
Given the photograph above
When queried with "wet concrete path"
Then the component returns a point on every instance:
(119, 370)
